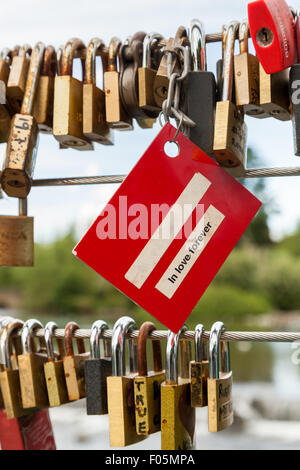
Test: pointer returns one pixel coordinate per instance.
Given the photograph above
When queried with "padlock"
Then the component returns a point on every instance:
(95, 126)
(199, 92)
(273, 34)
(120, 387)
(116, 116)
(177, 415)
(274, 94)
(294, 86)
(230, 128)
(219, 383)
(54, 369)
(43, 103)
(16, 238)
(5, 61)
(3, 322)
(16, 83)
(68, 100)
(31, 369)
(147, 384)
(74, 364)
(199, 370)
(18, 167)
(169, 64)
(246, 76)
(97, 369)
(147, 72)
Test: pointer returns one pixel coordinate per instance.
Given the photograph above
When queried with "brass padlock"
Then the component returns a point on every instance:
(31, 369)
(120, 387)
(74, 364)
(116, 116)
(16, 238)
(147, 384)
(199, 370)
(95, 126)
(147, 72)
(177, 415)
(43, 103)
(18, 167)
(219, 384)
(68, 100)
(54, 369)
(97, 369)
(5, 61)
(17, 78)
(230, 128)
(274, 94)
(3, 322)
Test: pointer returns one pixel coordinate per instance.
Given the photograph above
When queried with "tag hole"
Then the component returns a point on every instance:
(171, 149)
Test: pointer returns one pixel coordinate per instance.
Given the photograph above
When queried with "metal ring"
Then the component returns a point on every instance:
(27, 330)
(122, 326)
(97, 330)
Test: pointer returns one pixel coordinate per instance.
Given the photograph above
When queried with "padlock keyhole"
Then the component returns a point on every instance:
(264, 37)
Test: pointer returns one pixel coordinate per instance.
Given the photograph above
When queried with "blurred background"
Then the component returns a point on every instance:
(257, 288)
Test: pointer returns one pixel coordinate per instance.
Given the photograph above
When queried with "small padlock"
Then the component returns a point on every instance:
(31, 369)
(199, 370)
(199, 92)
(43, 103)
(74, 364)
(5, 61)
(3, 322)
(147, 72)
(177, 415)
(16, 238)
(54, 369)
(97, 369)
(147, 384)
(120, 387)
(274, 94)
(273, 34)
(68, 100)
(17, 78)
(116, 116)
(219, 383)
(95, 126)
(230, 128)
(18, 167)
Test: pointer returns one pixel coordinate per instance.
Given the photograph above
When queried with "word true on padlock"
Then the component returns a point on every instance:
(147, 384)
(97, 369)
(120, 387)
(199, 370)
(177, 415)
(219, 384)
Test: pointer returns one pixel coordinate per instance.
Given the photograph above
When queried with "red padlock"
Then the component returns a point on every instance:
(272, 31)
(32, 432)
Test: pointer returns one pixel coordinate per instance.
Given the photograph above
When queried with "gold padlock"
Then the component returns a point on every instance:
(74, 364)
(16, 238)
(177, 415)
(199, 370)
(274, 94)
(5, 61)
(17, 78)
(54, 369)
(43, 103)
(219, 384)
(116, 116)
(18, 167)
(120, 387)
(68, 100)
(95, 126)
(31, 369)
(147, 384)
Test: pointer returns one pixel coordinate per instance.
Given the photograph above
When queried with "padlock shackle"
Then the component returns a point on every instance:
(243, 36)
(95, 48)
(23, 207)
(172, 356)
(146, 329)
(49, 67)
(147, 46)
(34, 71)
(216, 346)
(6, 54)
(113, 52)
(49, 330)
(200, 345)
(68, 339)
(198, 45)
(181, 33)
(24, 50)
(5, 350)
(97, 331)
(26, 334)
(227, 75)
(123, 326)
(3, 322)
(73, 49)
(59, 54)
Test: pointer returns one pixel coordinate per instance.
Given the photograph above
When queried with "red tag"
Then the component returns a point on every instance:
(273, 34)
(168, 229)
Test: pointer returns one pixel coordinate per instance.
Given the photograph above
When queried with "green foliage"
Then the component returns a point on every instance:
(291, 243)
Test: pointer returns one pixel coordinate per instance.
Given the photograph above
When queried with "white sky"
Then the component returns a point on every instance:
(54, 22)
